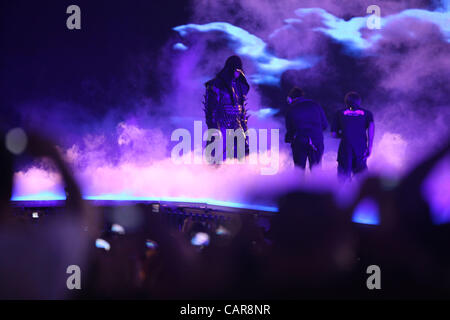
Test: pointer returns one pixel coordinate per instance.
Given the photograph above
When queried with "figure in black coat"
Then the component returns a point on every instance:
(225, 100)
(305, 122)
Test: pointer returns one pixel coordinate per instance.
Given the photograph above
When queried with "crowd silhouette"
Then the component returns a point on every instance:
(312, 249)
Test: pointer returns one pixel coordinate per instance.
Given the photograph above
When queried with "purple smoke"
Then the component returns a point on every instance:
(323, 46)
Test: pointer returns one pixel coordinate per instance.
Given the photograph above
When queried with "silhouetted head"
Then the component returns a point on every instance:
(352, 99)
(295, 93)
(230, 70)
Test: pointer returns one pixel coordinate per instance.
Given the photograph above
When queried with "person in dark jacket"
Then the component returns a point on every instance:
(305, 122)
(225, 99)
(355, 127)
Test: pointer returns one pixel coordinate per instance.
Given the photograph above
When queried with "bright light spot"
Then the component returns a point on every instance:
(117, 228)
(35, 215)
(102, 244)
(200, 239)
(367, 212)
(264, 112)
(179, 46)
(151, 244)
(16, 140)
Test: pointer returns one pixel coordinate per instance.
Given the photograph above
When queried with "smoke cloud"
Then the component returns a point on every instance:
(324, 47)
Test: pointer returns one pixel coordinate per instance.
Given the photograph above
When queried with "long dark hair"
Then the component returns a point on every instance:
(227, 72)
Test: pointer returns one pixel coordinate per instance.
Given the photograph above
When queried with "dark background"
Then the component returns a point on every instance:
(41, 59)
